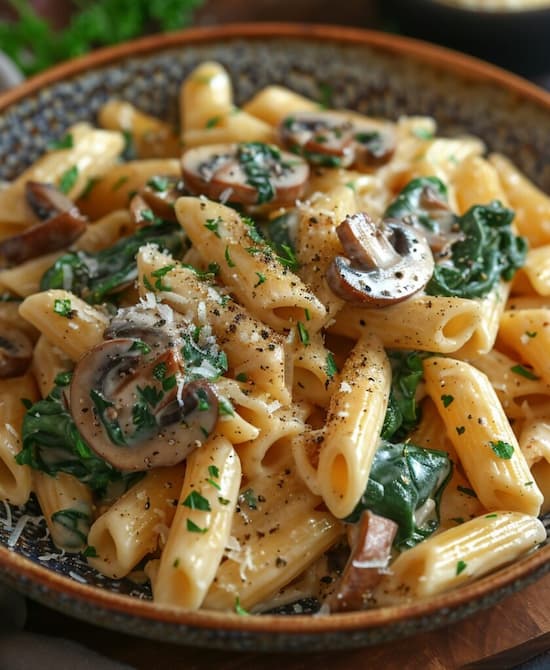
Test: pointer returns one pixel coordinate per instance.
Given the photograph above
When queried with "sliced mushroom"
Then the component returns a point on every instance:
(15, 351)
(384, 263)
(132, 407)
(60, 225)
(334, 139)
(447, 231)
(251, 173)
(370, 555)
(161, 193)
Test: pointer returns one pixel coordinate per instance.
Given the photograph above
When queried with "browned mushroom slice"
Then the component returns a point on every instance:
(385, 263)
(251, 173)
(323, 138)
(447, 231)
(372, 147)
(370, 555)
(145, 325)
(15, 352)
(132, 410)
(161, 193)
(47, 201)
(61, 224)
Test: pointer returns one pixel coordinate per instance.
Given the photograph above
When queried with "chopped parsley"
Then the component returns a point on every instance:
(258, 161)
(68, 179)
(423, 133)
(491, 516)
(447, 400)
(249, 497)
(65, 142)
(159, 273)
(63, 307)
(228, 258)
(140, 345)
(330, 367)
(193, 528)
(213, 225)
(213, 121)
(524, 372)
(531, 333)
(225, 407)
(239, 609)
(196, 501)
(460, 567)
(241, 377)
(261, 279)
(460, 430)
(303, 333)
(223, 501)
(159, 371)
(502, 449)
(159, 184)
(326, 94)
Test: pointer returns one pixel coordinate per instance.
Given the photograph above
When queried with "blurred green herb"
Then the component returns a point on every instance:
(34, 45)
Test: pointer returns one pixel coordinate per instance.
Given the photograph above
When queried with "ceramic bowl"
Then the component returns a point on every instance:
(376, 74)
(517, 40)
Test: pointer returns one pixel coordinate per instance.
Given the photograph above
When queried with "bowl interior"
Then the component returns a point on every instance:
(376, 75)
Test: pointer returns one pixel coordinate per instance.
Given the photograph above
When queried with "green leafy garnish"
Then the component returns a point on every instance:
(303, 333)
(63, 307)
(95, 276)
(76, 522)
(68, 179)
(524, 372)
(460, 567)
(402, 413)
(65, 142)
(330, 367)
(193, 528)
(257, 160)
(90, 552)
(447, 400)
(159, 184)
(239, 609)
(52, 444)
(490, 251)
(502, 449)
(249, 497)
(402, 478)
(34, 45)
(196, 501)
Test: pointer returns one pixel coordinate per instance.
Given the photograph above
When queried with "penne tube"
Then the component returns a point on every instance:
(482, 436)
(354, 421)
(67, 506)
(270, 291)
(132, 527)
(459, 555)
(201, 526)
(68, 322)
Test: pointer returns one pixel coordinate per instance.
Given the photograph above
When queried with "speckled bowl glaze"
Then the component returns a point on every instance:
(376, 74)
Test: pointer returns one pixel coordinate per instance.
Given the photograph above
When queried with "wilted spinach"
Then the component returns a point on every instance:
(94, 276)
(403, 478)
(52, 444)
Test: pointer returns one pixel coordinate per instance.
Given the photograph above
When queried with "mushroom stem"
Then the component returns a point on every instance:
(370, 555)
(365, 243)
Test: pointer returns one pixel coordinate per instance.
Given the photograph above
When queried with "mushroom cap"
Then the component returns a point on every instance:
(60, 224)
(133, 408)
(249, 173)
(384, 265)
(337, 139)
(15, 351)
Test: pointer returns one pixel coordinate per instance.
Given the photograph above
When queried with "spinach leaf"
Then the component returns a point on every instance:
(76, 524)
(257, 160)
(412, 205)
(489, 251)
(52, 444)
(402, 413)
(403, 478)
(280, 234)
(94, 276)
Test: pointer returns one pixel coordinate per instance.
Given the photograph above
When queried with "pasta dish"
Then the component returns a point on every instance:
(283, 352)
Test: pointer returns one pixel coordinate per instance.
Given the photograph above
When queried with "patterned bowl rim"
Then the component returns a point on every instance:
(33, 578)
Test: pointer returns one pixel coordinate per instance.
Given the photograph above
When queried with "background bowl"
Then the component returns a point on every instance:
(516, 40)
(373, 73)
